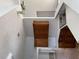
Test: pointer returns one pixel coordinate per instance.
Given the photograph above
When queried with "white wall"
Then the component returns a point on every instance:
(59, 1)
(10, 25)
(4, 2)
(73, 4)
(43, 56)
(30, 50)
(32, 6)
(28, 26)
(8, 2)
(73, 22)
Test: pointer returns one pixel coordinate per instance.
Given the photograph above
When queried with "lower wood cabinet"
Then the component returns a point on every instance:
(66, 39)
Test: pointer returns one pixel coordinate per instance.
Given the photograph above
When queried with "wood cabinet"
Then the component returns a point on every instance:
(41, 30)
(66, 39)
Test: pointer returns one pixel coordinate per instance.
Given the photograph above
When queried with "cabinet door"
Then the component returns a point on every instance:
(41, 42)
(66, 39)
(41, 29)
